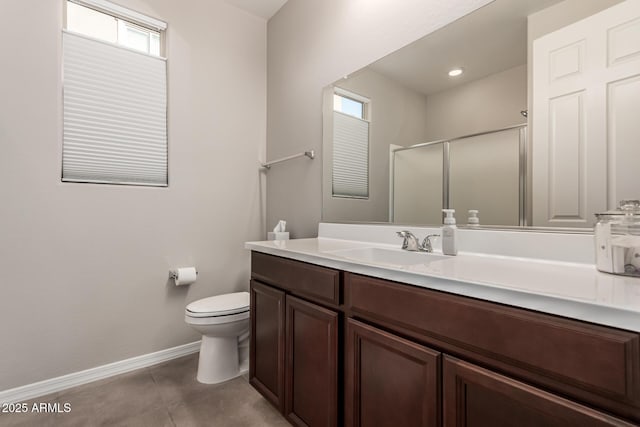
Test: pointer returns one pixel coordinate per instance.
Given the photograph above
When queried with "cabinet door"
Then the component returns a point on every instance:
(266, 361)
(312, 364)
(474, 396)
(389, 381)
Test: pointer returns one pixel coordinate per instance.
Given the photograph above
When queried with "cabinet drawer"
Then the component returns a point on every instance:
(314, 282)
(595, 363)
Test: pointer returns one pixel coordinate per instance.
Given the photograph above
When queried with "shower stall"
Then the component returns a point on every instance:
(485, 171)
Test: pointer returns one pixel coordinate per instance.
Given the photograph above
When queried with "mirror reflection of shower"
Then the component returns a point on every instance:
(483, 171)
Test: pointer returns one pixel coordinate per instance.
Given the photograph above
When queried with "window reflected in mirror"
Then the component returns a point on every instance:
(350, 145)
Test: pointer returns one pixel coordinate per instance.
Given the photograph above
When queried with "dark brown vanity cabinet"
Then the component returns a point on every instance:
(499, 365)
(336, 348)
(295, 321)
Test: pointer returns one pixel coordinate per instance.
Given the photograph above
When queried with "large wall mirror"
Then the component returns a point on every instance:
(526, 110)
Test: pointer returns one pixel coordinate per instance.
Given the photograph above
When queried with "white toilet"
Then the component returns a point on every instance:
(223, 321)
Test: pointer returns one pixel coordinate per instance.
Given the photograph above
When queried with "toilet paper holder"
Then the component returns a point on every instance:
(173, 274)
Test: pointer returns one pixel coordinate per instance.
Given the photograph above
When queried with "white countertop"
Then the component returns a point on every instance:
(573, 290)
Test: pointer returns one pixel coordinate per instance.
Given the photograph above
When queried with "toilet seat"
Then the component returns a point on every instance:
(215, 320)
(220, 306)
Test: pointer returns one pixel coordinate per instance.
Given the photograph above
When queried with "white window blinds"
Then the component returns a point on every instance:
(115, 114)
(350, 156)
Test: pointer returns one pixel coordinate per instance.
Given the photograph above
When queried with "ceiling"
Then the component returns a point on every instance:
(487, 41)
(263, 8)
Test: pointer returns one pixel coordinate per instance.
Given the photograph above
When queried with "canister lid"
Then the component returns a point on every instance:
(625, 207)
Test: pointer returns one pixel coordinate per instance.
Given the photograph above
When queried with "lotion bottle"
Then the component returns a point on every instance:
(449, 246)
(473, 220)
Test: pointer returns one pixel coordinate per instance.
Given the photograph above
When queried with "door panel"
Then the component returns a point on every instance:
(389, 381)
(312, 364)
(624, 148)
(474, 396)
(266, 360)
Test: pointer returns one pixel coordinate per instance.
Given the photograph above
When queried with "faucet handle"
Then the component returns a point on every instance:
(426, 243)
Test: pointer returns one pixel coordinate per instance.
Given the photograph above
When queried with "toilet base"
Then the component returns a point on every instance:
(218, 359)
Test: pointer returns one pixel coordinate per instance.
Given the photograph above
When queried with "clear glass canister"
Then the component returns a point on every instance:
(617, 237)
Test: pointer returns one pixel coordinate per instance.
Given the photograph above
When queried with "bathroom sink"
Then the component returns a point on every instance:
(387, 256)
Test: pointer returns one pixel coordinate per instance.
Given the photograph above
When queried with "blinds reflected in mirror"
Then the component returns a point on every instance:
(350, 156)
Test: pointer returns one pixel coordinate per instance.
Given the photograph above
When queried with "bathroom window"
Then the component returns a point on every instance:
(350, 106)
(114, 96)
(82, 19)
(350, 145)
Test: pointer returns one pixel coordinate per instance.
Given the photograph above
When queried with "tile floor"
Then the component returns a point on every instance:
(164, 395)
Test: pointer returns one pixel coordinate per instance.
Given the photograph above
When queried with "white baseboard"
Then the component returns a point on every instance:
(41, 388)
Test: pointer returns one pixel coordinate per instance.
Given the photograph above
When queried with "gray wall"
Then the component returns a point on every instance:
(85, 266)
(398, 116)
(492, 102)
(310, 45)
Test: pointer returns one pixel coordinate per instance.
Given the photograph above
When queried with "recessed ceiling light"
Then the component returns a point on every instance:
(455, 72)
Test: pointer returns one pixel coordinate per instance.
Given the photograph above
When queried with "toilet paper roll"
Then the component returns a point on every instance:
(184, 276)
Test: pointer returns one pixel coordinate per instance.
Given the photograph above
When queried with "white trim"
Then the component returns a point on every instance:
(366, 102)
(346, 93)
(108, 43)
(123, 12)
(41, 388)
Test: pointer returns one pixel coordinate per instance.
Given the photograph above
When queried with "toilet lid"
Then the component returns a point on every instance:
(220, 305)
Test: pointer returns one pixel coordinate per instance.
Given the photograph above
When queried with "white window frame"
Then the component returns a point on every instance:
(124, 26)
(123, 13)
(366, 102)
(366, 117)
(124, 18)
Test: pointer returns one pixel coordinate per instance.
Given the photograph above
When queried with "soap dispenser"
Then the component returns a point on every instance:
(473, 220)
(449, 246)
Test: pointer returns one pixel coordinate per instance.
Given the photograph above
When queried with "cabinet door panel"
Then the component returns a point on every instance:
(389, 381)
(266, 361)
(312, 364)
(474, 396)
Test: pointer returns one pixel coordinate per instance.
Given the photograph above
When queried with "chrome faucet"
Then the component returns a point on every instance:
(411, 242)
